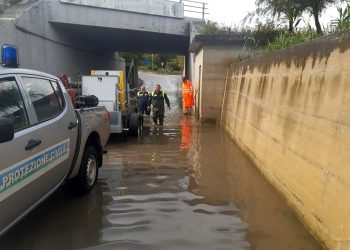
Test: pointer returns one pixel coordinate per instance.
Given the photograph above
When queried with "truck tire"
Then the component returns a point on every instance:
(135, 124)
(88, 173)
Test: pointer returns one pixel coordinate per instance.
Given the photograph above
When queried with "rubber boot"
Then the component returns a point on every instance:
(161, 120)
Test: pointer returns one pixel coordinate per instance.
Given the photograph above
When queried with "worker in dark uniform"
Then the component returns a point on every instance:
(157, 99)
(142, 101)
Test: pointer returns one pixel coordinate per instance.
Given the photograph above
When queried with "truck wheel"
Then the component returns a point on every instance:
(87, 176)
(135, 124)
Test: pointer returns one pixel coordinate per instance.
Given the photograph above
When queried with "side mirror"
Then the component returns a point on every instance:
(7, 130)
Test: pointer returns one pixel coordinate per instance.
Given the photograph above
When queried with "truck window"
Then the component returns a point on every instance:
(11, 103)
(43, 97)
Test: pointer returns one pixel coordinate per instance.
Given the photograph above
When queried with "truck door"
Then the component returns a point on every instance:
(56, 122)
(16, 156)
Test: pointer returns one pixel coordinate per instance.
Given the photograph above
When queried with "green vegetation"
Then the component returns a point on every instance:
(285, 11)
(292, 11)
(278, 23)
(167, 64)
(287, 39)
(315, 8)
(214, 28)
(343, 20)
(163, 63)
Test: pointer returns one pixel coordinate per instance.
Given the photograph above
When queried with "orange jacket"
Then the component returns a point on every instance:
(187, 94)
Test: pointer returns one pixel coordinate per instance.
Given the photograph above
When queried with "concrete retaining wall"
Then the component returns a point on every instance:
(290, 111)
(210, 68)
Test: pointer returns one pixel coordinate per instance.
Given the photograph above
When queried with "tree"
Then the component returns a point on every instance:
(290, 10)
(293, 16)
(343, 19)
(293, 9)
(315, 7)
(128, 56)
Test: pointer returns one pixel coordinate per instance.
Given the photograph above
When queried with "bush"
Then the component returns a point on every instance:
(162, 63)
(287, 39)
(343, 20)
(173, 65)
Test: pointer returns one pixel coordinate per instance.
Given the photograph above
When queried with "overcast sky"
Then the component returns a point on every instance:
(231, 12)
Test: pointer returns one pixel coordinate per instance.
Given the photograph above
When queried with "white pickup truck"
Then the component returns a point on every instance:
(44, 142)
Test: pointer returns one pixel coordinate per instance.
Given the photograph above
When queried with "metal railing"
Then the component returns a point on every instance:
(195, 7)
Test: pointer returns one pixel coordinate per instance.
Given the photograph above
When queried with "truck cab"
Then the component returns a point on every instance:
(44, 141)
(37, 158)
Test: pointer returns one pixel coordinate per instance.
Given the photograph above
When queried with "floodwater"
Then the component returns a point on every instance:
(183, 186)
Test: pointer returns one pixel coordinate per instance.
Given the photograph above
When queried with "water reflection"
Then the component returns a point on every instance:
(197, 191)
(157, 211)
(186, 134)
(64, 221)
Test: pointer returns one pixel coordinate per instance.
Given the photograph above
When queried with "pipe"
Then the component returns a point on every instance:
(223, 100)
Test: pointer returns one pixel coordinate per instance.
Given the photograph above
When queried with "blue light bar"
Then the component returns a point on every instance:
(9, 56)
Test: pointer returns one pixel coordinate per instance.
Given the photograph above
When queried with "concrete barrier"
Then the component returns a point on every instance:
(290, 111)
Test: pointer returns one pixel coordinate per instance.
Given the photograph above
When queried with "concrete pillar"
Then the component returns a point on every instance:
(188, 66)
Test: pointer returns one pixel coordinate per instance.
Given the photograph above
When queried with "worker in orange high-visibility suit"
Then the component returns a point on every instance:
(187, 96)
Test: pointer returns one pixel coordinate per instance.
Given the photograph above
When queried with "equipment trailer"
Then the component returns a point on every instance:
(113, 92)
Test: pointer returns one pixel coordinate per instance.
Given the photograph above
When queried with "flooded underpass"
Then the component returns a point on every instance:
(181, 186)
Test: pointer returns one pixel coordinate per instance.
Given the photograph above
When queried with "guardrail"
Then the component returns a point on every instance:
(195, 7)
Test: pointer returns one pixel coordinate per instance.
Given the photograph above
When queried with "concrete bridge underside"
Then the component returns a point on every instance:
(111, 39)
(56, 37)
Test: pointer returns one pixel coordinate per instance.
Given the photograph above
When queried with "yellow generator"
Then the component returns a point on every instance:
(121, 89)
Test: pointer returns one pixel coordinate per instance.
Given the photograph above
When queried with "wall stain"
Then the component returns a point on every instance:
(249, 86)
(271, 85)
(242, 84)
(240, 93)
(335, 88)
(289, 129)
(307, 95)
(284, 85)
(245, 109)
(296, 90)
(259, 116)
(318, 95)
(261, 88)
